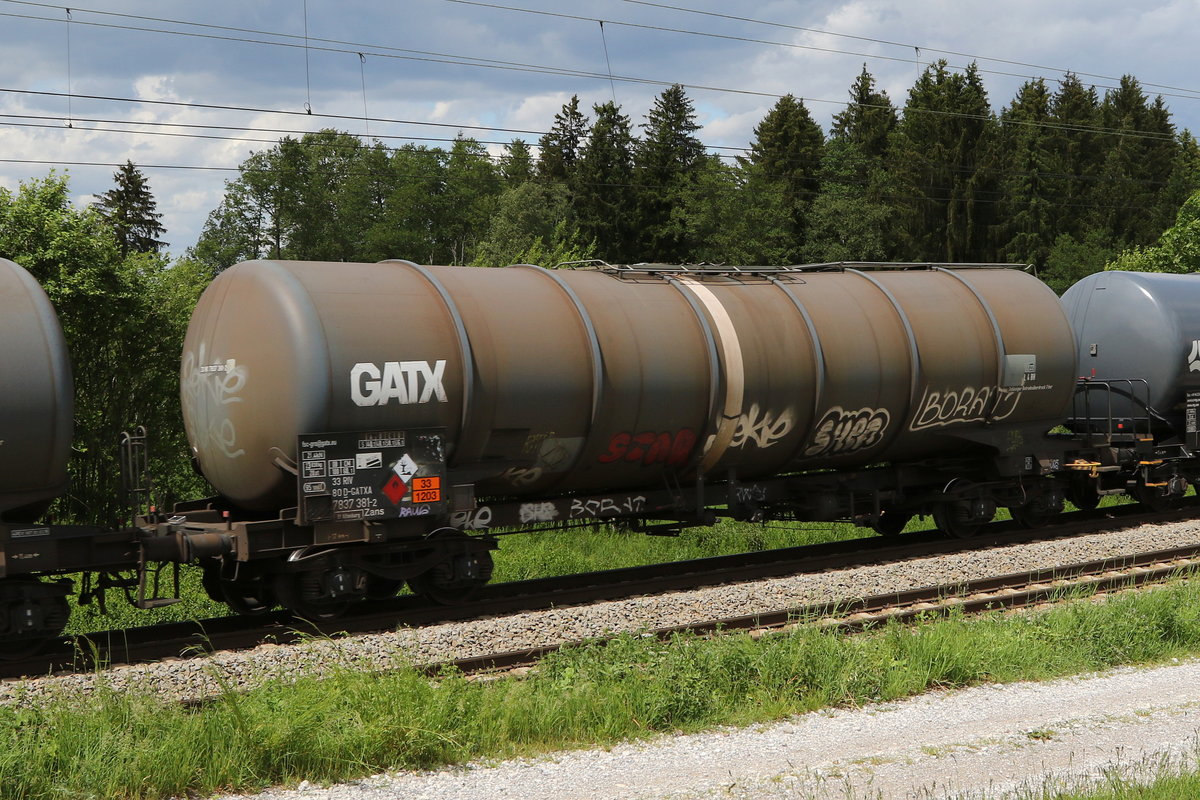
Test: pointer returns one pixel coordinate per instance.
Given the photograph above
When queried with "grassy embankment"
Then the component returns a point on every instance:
(352, 724)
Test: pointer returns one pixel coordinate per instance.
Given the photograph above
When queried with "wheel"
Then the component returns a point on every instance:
(300, 593)
(891, 523)
(1153, 497)
(36, 612)
(955, 518)
(1083, 496)
(1032, 515)
(456, 579)
(249, 594)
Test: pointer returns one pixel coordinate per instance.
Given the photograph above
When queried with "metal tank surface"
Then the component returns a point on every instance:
(36, 397)
(550, 381)
(1139, 335)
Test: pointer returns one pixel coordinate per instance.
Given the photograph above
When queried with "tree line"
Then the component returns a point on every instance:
(1061, 177)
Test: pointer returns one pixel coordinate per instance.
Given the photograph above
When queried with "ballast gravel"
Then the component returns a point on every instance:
(210, 675)
(993, 741)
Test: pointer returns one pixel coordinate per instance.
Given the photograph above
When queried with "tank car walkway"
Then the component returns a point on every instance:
(988, 739)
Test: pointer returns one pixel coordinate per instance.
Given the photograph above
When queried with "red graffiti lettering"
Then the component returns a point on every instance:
(650, 447)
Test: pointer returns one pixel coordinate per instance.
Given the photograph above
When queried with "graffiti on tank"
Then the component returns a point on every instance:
(650, 447)
(966, 404)
(206, 390)
(477, 519)
(413, 511)
(840, 431)
(551, 452)
(761, 427)
(607, 506)
(537, 512)
(521, 476)
(753, 493)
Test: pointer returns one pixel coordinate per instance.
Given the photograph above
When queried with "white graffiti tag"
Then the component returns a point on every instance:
(207, 390)
(761, 427)
(968, 404)
(475, 520)
(607, 507)
(537, 512)
(841, 431)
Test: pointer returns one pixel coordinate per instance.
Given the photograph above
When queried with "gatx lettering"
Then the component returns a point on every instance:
(406, 382)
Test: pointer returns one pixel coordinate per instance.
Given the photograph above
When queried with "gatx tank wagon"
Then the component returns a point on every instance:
(367, 425)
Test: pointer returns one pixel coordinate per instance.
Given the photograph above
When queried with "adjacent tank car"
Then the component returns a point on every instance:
(38, 397)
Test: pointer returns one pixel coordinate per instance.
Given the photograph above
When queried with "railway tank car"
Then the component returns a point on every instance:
(1144, 330)
(574, 380)
(37, 396)
(1139, 360)
(369, 405)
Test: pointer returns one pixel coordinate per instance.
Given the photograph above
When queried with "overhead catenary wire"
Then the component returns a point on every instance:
(1193, 94)
(471, 61)
(918, 48)
(6, 120)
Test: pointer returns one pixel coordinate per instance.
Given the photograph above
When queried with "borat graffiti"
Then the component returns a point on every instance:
(965, 404)
(841, 431)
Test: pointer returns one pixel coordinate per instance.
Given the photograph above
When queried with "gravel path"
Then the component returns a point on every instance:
(199, 677)
(990, 741)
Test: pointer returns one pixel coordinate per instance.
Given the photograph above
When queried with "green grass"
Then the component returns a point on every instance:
(1157, 779)
(352, 724)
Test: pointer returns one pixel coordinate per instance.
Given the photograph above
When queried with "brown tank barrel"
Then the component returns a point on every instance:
(36, 396)
(561, 380)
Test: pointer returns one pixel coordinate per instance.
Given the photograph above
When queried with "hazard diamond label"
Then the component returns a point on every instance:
(406, 468)
(395, 489)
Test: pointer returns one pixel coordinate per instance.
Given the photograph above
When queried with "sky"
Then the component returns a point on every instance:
(187, 90)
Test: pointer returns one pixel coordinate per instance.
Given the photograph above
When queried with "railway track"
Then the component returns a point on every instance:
(1014, 590)
(153, 643)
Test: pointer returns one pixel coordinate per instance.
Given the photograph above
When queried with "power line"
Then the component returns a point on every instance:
(905, 45)
(4, 121)
(432, 57)
(1193, 94)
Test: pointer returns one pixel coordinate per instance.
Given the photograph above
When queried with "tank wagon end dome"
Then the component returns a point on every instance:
(36, 394)
(1140, 326)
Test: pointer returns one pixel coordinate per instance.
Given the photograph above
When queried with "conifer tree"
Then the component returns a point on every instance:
(668, 160)
(560, 147)
(936, 154)
(1024, 231)
(516, 165)
(786, 150)
(605, 198)
(132, 212)
(868, 119)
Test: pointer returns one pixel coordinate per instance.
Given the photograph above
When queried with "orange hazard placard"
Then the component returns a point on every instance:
(422, 484)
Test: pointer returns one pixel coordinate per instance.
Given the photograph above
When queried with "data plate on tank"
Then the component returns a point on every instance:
(371, 475)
